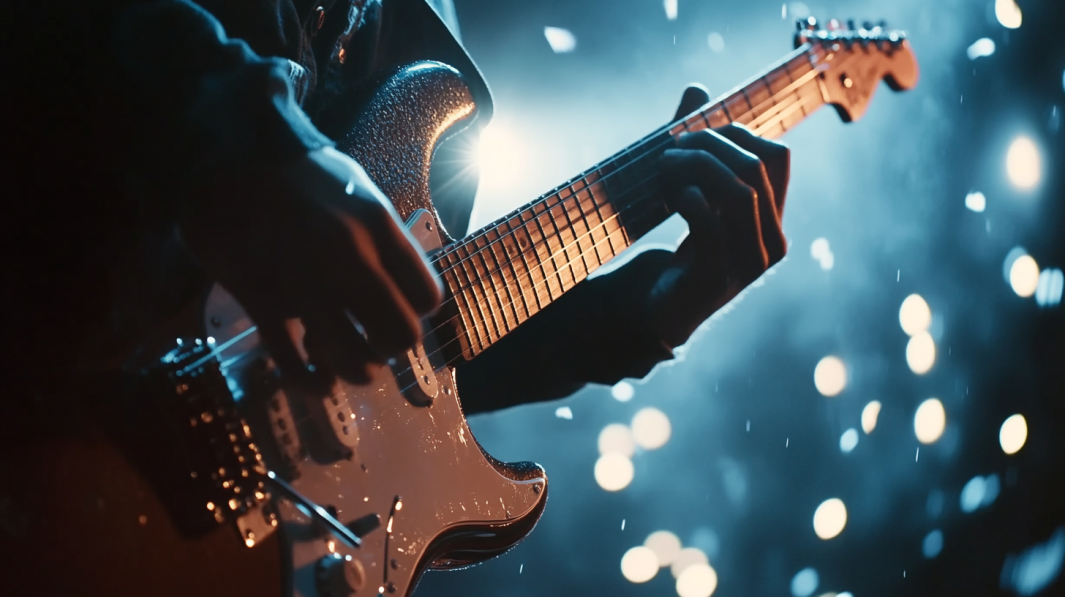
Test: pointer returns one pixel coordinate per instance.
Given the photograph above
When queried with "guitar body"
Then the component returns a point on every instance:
(394, 459)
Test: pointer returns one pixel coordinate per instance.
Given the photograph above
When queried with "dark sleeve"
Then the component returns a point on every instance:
(596, 333)
(203, 102)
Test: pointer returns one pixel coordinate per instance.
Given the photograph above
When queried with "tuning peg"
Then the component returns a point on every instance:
(850, 24)
(867, 25)
(882, 23)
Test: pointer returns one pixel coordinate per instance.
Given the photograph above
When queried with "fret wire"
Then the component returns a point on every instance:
(706, 115)
(545, 243)
(514, 269)
(502, 246)
(574, 232)
(561, 244)
(501, 314)
(539, 262)
(469, 309)
(475, 285)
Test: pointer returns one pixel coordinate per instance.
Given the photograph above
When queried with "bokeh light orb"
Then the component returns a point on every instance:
(687, 557)
(666, 546)
(1022, 163)
(697, 580)
(932, 544)
(1013, 434)
(651, 428)
(830, 518)
(623, 391)
(617, 438)
(805, 582)
(639, 564)
(848, 441)
(830, 376)
(921, 353)
(929, 421)
(870, 414)
(1024, 276)
(915, 316)
(819, 248)
(613, 471)
(1008, 13)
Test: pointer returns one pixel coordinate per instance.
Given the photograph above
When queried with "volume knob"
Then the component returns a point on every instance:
(338, 576)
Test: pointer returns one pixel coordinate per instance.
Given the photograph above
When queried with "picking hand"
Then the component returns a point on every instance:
(729, 185)
(315, 240)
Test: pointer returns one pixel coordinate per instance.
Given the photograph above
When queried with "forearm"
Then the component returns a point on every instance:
(597, 333)
(196, 102)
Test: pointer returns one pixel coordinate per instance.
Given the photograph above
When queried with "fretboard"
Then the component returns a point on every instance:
(508, 271)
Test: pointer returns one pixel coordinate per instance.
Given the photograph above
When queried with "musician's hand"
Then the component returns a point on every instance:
(315, 240)
(729, 185)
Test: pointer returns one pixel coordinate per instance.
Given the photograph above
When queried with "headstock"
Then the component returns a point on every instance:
(855, 59)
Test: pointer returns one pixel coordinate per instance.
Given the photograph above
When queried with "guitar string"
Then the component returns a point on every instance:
(787, 91)
(788, 108)
(796, 100)
(535, 286)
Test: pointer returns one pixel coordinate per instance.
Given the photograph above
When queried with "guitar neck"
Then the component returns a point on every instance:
(508, 271)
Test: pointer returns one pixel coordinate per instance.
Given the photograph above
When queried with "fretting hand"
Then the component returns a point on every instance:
(729, 185)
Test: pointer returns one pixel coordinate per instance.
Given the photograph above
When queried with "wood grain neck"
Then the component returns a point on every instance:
(513, 268)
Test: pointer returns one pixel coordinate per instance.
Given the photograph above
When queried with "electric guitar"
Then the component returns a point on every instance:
(360, 492)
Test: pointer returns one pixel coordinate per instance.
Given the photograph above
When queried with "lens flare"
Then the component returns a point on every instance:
(921, 353)
(698, 580)
(915, 315)
(870, 414)
(613, 471)
(1023, 163)
(639, 564)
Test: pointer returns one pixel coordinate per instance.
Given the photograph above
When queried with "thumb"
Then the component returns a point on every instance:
(695, 97)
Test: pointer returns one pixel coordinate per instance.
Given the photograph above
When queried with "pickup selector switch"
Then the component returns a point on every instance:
(336, 576)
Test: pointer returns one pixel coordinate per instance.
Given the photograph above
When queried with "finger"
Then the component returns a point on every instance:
(751, 170)
(399, 253)
(280, 338)
(695, 96)
(775, 156)
(737, 201)
(405, 262)
(336, 347)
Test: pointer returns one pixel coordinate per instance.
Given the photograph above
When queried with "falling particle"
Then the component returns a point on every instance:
(671, 9)
(623, 524)
(715, 41)
(918, 454)
(961, 99)
(976, 201)
(980, 48)
(783, 11)
(560, 40)
(521, 568)
(564, 412)
(898, 274)
(748, 425)
(786, 440)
